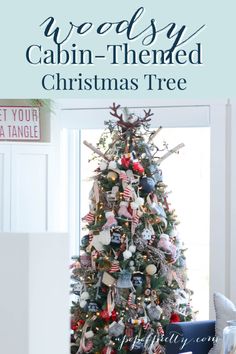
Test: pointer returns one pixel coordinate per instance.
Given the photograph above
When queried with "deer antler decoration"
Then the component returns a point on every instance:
(128, 124)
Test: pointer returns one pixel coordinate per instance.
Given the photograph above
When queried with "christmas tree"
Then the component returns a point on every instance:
(130, 277)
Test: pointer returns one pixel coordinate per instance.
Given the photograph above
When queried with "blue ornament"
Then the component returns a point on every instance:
(161, 211)
(85, 241)
(138, 279)
(93, 307)
(147, 184)
(158, 209)
(116, 238)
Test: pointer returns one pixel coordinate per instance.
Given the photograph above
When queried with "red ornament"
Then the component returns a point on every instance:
(114, 315)
(174, 318)
(104, 314)
(74, 327)
(137, 167)
(125, 161)
(81, 322)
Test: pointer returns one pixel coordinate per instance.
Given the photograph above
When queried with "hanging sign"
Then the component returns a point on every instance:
(19, 123)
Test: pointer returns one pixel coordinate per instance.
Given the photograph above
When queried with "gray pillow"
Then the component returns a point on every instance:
(225, 311)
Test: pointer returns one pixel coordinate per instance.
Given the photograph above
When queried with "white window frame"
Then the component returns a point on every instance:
(217, 116)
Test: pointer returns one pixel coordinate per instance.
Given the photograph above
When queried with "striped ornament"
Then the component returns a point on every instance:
(89, 217)
(157, 349)
(131, 301)
(135, 222)
(115, 267)
(146, 326)
(160, 329)
(135, 219)
(128, 193)
(123, 176)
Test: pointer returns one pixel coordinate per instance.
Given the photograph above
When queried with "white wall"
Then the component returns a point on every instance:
(28, 188)
(232, 210)
(5, 181)
(34, 297)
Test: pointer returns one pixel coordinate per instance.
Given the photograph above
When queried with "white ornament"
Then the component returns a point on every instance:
(139, 201)
(147, 234)
(89, 334)
(165, 237)
(130, 174)
(127, 254)
(112, 165)
(132, 248)
(82, 303)
(96, 243)
(104, 237)
(151, 269)
(132, 269)
(134, 205)
(108, 214)
(131, 263)
(84, 296)
(181, 297)
(103, 166)
(111, 220)
(154, 312)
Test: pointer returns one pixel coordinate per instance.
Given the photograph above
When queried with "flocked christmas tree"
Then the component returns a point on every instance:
(130, 277)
